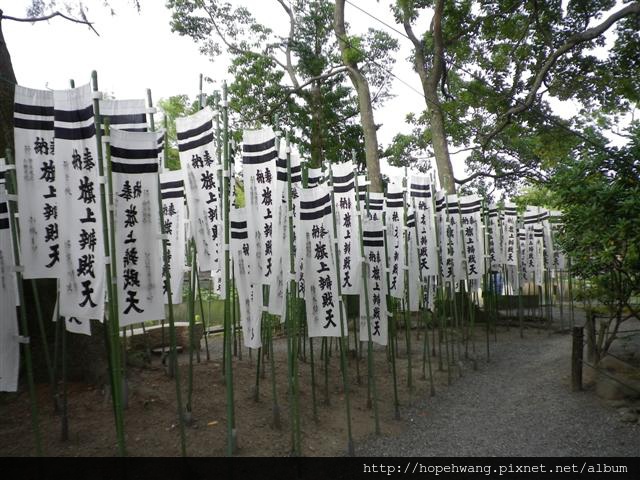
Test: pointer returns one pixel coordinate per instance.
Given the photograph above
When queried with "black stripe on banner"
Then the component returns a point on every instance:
(81, 115)
(281, 176)
(131, 154)
(395, 195)
(173, 194)
(33, 124)
(196, 143)
(345, 179)
(267, 157)
(399, 204)
(238, 225)
(40, 110)
(472, 204)
(75, 133)
(176, 184)
(239, 235)
(373, 243)
(3, 207)
(315, 203)
(316, 214)
(420, 194)
(4, 223)
(117, 167)
(133, 118)
(2, 175)
(467, 211)
(344, 188)
(259, 147)
(419, 186)
(411, 223)
(194, 132)
(372, 234)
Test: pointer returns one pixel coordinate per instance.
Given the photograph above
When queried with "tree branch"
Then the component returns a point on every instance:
(49, 17)
(292, 28)
(572, 41)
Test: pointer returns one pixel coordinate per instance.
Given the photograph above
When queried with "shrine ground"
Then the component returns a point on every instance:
(518, 403)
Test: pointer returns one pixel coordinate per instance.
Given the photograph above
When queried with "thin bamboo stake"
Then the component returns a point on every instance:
(373, 396)
(231, 424)
(35, 417)
(109, 250)
(173, 355)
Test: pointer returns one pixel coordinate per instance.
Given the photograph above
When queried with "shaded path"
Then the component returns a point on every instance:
(520, 404)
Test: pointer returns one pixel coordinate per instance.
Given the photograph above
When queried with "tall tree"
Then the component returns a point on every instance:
(297, 75)
(487, 69)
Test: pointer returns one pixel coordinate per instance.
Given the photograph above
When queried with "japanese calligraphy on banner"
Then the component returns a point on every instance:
(348, 231)
(320, 276)
(76, 325)
(495, 242)
(247, 278)
(281, 258)
(262, 203)
(36, 172)
(534, 238)
(174, 217)
(525, 273)
(472, 246)
(559, 261)
(161, 137)
(394, 216)
(420, 191)
(373, 241)
(9, 345)
(413, 262)
(199, 165)
(129, 115)
(510, 234)
(134, 166)
(77, 183)
(448, 219)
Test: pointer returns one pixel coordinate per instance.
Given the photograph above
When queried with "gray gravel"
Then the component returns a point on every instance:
(520, 404)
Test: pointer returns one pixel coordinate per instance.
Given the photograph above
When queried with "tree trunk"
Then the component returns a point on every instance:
(8, 81)
(361, 85)
(430, 78)
(317, 146)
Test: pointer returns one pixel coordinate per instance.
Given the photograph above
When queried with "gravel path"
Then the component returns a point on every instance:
(520, 404)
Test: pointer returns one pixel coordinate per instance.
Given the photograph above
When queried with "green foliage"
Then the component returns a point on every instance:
(321, 114)
(599, 195)
(172, 108)
(493, 52)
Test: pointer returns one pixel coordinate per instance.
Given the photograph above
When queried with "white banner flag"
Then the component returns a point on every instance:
(9, 345)
(35, 172)
(247, 278)
(199, 165)
(495, 241)
(348, 229)
(134, 166)
(373, 241)
(320, 276)
(472, 246)
(174, 215)
(129, 115)
(395, 236)
(80, 222)
(261, 199)
(421, 199)
(510, 234)
(413, 263)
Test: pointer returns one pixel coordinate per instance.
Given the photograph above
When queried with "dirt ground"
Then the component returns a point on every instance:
(150, 419)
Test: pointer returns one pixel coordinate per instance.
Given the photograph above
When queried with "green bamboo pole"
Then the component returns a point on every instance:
(204, 322)
(64, 433)
(104, 170)
(370, 366)
(188, 413)
(231, 424)
(343, 360)
(275, 408)
(393, 334)
(35, 417)
(292, 317)
(173, 355)
(406, 300)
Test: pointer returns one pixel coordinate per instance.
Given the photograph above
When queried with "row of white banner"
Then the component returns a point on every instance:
(335, 227)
